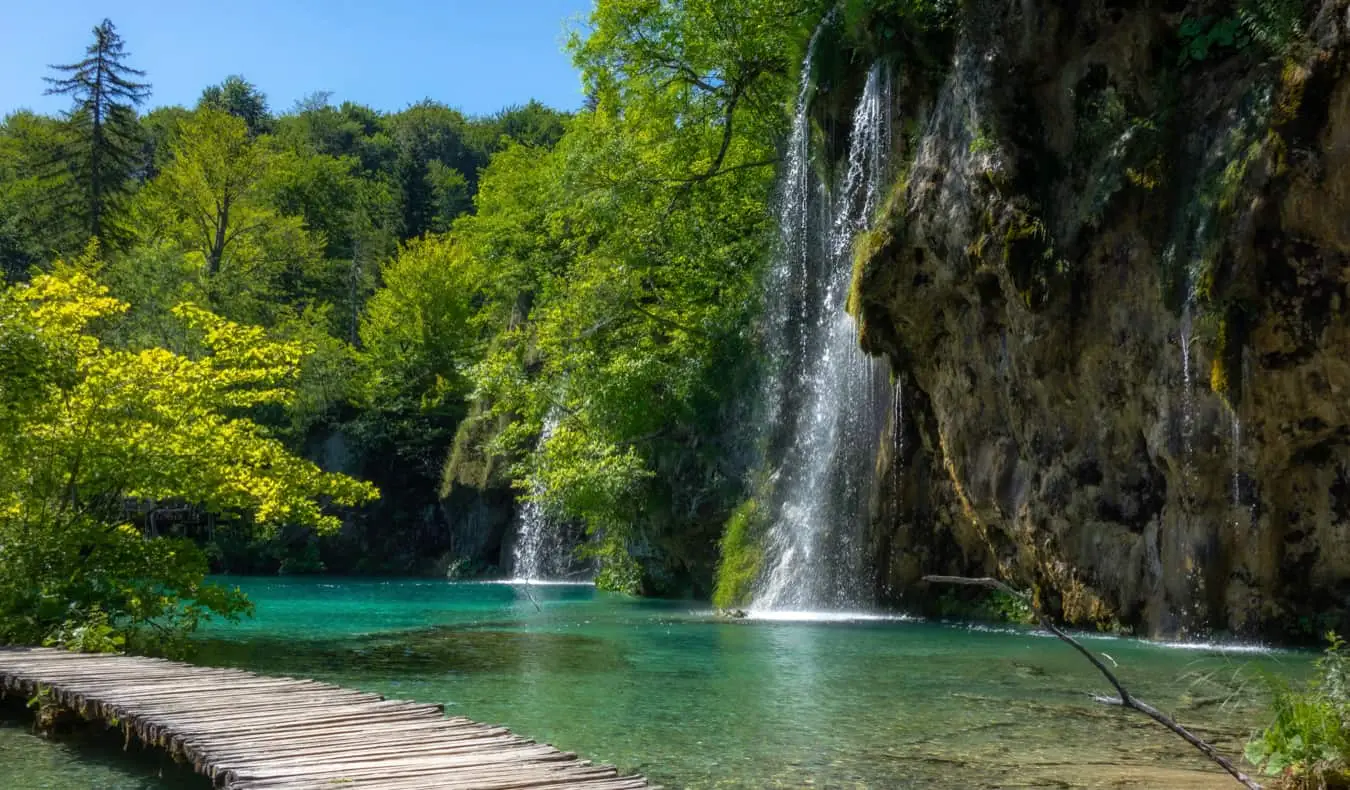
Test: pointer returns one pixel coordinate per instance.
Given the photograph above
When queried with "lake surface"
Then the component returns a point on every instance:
(694, 701)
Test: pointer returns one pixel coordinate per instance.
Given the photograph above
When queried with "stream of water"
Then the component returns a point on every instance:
(828, 399)
(542, 550)
(695, 701)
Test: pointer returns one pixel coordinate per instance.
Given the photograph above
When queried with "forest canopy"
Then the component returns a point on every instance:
(259, 309)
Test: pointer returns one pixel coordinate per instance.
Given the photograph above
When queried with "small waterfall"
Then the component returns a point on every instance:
(897, 443)
(827, 401)
(1186, 333)
(789, 278)
(1241, 508)
(541, 552)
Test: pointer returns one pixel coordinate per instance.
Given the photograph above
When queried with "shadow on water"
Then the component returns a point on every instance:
(448, 650)
(87, 757)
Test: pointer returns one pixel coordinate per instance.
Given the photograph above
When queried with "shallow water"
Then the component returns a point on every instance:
(694, 701)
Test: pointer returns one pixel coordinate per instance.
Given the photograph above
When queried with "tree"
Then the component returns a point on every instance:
(418, 345)
(159, 129)
(436, 170)
(34, 187)
(107, 143)
(214, 198)
(86, 429)
(242, 99)
(638, 244)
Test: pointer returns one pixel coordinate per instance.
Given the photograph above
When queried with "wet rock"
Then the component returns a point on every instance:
(1035, 291)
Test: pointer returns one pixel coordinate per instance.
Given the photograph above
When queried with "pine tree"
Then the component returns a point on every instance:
(106, 136)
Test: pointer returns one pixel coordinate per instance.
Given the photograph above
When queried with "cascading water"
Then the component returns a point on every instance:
(541, 552)
(897, 442)
(1186, 332)
(1240, 509)
(827, 401)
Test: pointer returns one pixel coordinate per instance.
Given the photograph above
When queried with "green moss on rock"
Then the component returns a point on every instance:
(742, 554)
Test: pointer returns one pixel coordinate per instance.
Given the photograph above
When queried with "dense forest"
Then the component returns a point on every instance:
(220, 318)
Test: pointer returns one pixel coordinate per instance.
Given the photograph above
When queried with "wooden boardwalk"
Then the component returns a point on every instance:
(254, 732)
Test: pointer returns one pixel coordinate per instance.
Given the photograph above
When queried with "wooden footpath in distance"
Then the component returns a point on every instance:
(256, 732)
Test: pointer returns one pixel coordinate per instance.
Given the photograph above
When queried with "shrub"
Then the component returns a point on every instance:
(1308, 743)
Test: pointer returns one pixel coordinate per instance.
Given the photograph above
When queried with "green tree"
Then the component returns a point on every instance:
(215, 200)
(242, 99)
(35, 190)
(435, 168)
(86, 429)
(532, 123)
(418, 343)
(106, 147)
(159, 130)
(638, 243)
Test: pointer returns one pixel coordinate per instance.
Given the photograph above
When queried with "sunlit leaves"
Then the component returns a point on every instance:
(620, 269)
(98, 426)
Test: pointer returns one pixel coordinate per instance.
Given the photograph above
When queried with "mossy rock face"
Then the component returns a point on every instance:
(742, 556)
(1076, 206)
(470, 463)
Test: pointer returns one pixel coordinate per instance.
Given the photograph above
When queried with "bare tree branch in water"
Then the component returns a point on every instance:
(1126, 699)
(526, 587)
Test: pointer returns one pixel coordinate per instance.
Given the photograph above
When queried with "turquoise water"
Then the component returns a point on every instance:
(698, 702)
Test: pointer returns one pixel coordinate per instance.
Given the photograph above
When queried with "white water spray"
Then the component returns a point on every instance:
(541, 552)
(827, 403)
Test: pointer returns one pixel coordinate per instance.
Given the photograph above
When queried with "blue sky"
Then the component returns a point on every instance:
(477, 55)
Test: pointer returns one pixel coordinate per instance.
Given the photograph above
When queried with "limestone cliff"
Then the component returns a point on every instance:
(1113, 280)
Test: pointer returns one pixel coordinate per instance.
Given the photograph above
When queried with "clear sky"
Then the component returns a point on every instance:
(476, 55)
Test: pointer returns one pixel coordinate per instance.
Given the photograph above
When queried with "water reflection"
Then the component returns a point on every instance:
(699, 702)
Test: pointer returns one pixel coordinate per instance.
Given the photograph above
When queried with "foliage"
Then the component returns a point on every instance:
(1201, 36)
(982, 144)
(89, 428)
(742, 553)
(105, 135)
(992, 606)
(35, 192)
(210, 198)
(242, 99)
(1308, 743)
(1275, 24)
(624, 269)
(417, 346)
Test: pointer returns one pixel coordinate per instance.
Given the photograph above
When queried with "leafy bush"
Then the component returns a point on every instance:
(1308, 744)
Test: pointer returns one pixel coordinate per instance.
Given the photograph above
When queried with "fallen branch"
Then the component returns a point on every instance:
(526, 586)
(1126, 699)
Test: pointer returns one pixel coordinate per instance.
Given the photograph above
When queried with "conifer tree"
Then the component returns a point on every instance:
(105, 147)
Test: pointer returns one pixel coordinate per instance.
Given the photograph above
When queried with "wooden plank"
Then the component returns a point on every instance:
(256, 732)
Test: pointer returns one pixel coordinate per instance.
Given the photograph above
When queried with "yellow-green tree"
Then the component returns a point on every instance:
(214, 200)
(86, 428)
(418, 344)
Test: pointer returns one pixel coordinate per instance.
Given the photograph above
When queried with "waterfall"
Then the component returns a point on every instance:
(1188, 417)
(897, 443)
(1240, 507)
(1237, 460)
(827, 400)
(541, 552)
